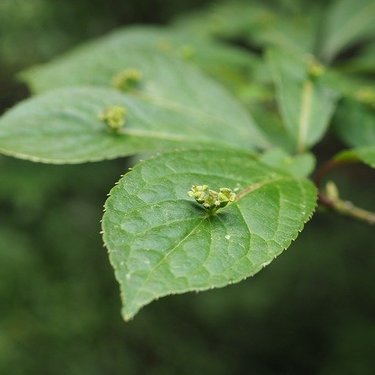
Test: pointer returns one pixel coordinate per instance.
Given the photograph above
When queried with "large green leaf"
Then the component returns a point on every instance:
(306, 104)
(161, 242)
(355, 123)
(347, 22)
(99, 61)
(63, 126)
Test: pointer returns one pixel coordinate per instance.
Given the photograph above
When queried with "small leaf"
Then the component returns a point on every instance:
(349, 86)
(346, 23)
(257, 24)
(365, 154)
(162, 242)
(273, 127)
(290, 31)
(362, 63)
(306, 105)
(67, 125)
(355, 123)
(298, 165)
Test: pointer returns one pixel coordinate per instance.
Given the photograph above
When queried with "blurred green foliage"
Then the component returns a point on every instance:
(310, 312)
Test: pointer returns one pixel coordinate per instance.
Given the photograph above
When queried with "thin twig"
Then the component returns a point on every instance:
(330, 197)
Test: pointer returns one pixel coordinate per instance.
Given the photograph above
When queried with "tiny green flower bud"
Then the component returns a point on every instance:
(114, 117)
(226, 196)
(198, 192)
(127, 79)
(315, 68)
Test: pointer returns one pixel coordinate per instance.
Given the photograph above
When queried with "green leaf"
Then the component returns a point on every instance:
(290, 31)
(355, 124)
(226, 20)
(258, 24)
(272, 126)
(137, 47)
(365, 154)
(64, 126)
(298, 165)
(346, 23)
(362, 63)
(348, 85)
(161, 242)
(306, 105)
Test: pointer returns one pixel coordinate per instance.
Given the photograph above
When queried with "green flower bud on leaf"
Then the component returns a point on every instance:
(212, 200)
(127, 79)
(114, 117)
(226, 196)
(199, 193)
(315, 68)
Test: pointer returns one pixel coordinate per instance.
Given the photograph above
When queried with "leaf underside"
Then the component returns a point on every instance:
(161, 242)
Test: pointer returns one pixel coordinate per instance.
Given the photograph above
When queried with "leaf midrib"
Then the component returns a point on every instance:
(305, 113)
(141, 287)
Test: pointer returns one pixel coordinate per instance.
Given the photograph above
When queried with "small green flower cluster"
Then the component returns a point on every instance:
(114, 117)
(212, 200)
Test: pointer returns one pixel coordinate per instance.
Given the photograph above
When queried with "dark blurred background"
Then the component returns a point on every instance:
(310, 312)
